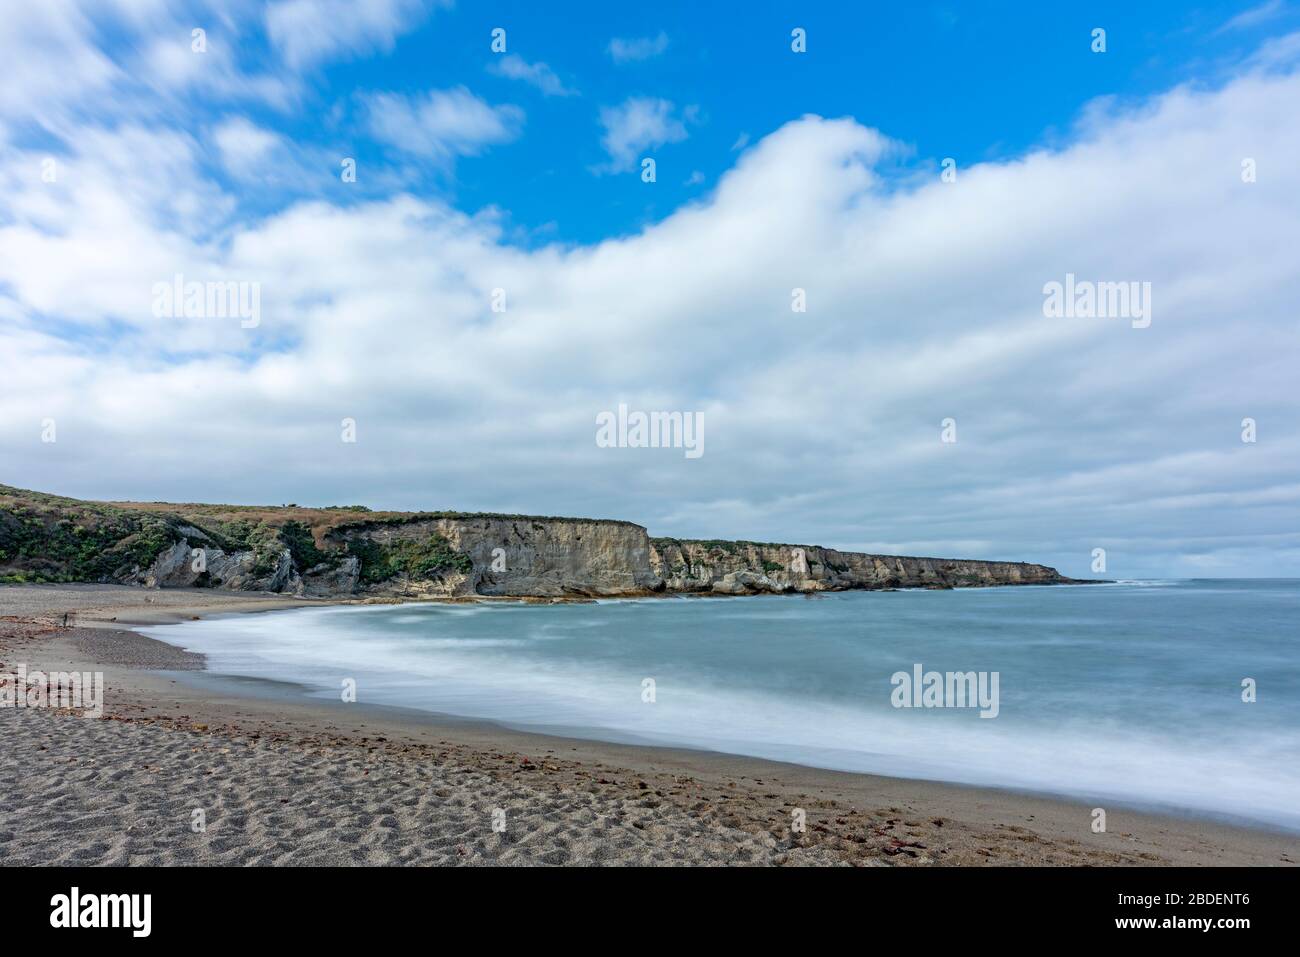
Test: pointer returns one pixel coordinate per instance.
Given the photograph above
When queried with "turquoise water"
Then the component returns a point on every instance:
(1129, 692)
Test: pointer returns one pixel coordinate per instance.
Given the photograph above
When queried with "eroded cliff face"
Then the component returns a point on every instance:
(738, 568)
(523, 557)
(195, 562)
(480, 555)
(565, 558)
(746, 568)
(351, 552)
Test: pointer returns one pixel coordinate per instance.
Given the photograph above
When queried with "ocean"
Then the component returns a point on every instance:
(1127, 693)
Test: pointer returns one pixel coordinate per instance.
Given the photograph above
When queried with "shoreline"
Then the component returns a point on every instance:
(666, 805)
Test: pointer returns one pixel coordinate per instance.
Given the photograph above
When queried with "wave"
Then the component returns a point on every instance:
(516, 669)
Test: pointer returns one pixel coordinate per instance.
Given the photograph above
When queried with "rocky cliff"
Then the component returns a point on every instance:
(343, 552)
(736, 568)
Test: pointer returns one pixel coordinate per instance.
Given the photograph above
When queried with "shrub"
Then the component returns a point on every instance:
(417, 559)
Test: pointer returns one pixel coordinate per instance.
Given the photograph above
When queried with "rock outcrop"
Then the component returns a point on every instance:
(736, 568)
(333, 553)
(538, 557)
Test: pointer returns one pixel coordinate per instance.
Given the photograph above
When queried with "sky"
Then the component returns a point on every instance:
(454, 260)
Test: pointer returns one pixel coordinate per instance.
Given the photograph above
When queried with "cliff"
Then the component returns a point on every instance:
(352, 551)
(735, 568)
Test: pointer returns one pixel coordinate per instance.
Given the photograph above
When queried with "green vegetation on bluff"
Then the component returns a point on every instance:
(426, 559)
(50, 538)
(46, 538)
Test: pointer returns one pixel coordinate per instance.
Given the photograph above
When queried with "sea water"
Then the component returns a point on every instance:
(1129, 692)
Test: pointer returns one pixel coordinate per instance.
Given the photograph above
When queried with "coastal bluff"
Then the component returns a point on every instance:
(353, 552)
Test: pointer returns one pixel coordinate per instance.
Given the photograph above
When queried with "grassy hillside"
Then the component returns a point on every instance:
(51, 538)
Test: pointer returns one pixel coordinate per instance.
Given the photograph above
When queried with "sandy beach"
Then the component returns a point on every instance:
(274, 780)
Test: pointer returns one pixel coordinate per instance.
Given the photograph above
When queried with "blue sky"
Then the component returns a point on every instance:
(933, 75)
(775, 171)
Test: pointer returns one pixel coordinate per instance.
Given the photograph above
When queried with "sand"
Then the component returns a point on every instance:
(284, 780)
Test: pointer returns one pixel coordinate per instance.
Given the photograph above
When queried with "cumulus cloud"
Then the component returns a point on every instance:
(924, 302)
(514, 67)
(441, 124)
(638, 123)
(639, 48)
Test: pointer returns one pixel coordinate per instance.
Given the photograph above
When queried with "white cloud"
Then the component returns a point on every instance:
(172, 69)
(256, 155)
(540, 75)
(1254, 16)
(58, 74)
(129, 206)
(244, 145)
(640, 48)
(308, 32)
(924, 301)
(637, 124)
(1277, 52)
(50, 60)
(441, 124)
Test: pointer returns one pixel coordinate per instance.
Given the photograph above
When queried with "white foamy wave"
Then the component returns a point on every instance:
(501, 669)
